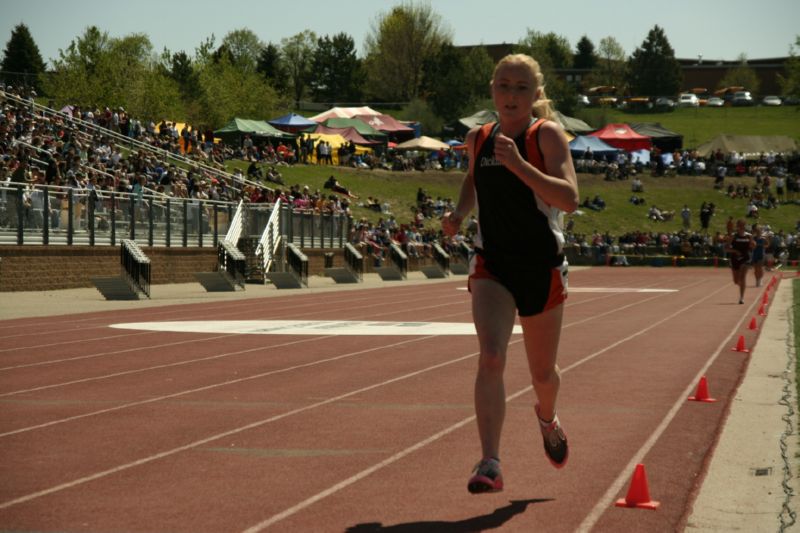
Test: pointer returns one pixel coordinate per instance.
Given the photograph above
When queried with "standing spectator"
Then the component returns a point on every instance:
(686, 216)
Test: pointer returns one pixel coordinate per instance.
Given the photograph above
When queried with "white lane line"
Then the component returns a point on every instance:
(604, 503)
(433, 438)
(212, 386)
(212, 438)
(253, 425)
(221, 384)
(134, 404)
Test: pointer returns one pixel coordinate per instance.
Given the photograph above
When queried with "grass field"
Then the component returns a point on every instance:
(698, 125)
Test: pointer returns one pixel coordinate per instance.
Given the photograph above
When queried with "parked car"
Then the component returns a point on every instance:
(715, 101)
(791, 100)
(688, 100)
(742, 98)
(664, 102)
(771, 100)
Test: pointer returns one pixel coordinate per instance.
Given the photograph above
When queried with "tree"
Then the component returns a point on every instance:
(552, 52)
(398, 45)
(790, 84)
(741, 76)
(454, 80)
(270, 65)
(337, 70)
(610, 68)
(244, 49)
(585, 57)
(96, 70)
(228, 92)
(180, 68)
(298, 54)
(22, 63)
(652, 68)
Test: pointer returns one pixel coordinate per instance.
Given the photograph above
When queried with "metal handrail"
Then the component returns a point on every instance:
(270, 238)
(298, 262)
(399, 258)
(354, 261)
(236, 225)
(232, 180)
(441, 257)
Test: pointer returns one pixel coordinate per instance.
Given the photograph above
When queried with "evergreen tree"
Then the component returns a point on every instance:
(585, 56)
(653, 69)
(337, 70)
(22, 63)
(270, 65)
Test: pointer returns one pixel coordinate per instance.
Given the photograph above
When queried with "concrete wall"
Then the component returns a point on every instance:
(40, 268)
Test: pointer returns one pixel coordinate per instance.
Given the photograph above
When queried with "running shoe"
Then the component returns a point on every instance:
(555, 441)
(486, 477)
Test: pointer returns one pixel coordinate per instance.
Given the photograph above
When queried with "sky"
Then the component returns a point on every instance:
(721, 30)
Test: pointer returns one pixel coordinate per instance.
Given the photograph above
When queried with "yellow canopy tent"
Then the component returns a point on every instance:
(335, 141)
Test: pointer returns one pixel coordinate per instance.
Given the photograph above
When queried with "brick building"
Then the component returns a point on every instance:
(697, 72)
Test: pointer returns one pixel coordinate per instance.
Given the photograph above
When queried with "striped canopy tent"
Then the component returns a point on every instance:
(423, 143)
(343, 112)
(388, 125)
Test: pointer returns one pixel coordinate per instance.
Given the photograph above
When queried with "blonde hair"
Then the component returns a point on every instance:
(543, 106)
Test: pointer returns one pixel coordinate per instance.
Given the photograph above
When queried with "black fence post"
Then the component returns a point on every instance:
(169, 223)
(70, 211)
(185, 223)
(150, 221)
(200, 225)
(132, 210)
(113, 219)
(46, 216)
(20, 215)
(216, 226)
(302, 230)
(90, 216)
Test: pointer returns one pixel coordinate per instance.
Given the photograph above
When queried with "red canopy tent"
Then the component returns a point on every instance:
(623, 137)
(387, 124)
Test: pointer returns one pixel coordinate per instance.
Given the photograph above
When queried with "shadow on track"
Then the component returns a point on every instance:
(494, 520)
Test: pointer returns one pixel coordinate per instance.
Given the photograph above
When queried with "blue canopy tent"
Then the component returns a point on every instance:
(292, 123)
(581, 143)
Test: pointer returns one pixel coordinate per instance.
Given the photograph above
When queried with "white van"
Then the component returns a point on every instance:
(688, 100)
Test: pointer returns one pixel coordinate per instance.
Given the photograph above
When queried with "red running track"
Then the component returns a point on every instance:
(105, 429)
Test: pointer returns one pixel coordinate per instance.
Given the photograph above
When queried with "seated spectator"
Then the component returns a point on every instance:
(637, 200)
(636, 185)
(335, 186)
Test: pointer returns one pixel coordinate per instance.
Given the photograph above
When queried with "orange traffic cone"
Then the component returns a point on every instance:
(761, 311)
(740, 347)
(753, 324)
(765, 298)
(638, 494)
(701, 395)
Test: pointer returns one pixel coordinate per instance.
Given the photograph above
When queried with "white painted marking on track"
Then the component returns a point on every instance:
(308, 327)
